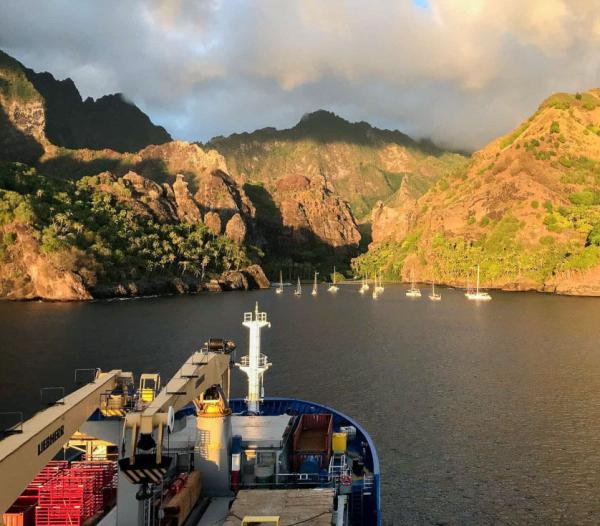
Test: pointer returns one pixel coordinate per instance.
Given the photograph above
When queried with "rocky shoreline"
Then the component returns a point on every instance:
(249, 278)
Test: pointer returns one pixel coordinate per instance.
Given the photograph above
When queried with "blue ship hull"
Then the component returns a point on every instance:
(370, 512)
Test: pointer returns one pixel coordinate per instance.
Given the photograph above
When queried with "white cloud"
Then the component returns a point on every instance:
(460, 71)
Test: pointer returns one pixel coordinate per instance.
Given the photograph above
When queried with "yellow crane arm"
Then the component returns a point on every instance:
(23, 455)
(200, 371)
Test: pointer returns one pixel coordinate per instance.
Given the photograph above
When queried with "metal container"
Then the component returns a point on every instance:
(339, 443)
(312, 439)
(19, 515)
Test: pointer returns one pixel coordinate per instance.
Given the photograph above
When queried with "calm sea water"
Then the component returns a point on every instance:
(482, 413)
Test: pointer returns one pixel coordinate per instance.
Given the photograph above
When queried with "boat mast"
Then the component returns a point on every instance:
(254, 364)
(477, 279)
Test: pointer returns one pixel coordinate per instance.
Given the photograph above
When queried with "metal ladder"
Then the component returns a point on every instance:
(368, 482)
(338, 465)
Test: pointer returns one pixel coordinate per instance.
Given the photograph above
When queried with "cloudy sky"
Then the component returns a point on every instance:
(458, 71)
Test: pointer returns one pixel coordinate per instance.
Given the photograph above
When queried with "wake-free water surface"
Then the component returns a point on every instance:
(481, 413)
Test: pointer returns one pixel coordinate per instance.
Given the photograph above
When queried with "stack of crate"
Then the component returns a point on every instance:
(106, 471)
(75, 494)
(22, 512)
(66, 500)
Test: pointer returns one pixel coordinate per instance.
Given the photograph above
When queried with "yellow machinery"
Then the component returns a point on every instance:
(213, 438)
(149, 386)
(24, 453)
(118, 401)
(146, 428)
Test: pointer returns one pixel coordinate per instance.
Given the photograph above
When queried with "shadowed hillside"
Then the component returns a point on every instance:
(361, 163)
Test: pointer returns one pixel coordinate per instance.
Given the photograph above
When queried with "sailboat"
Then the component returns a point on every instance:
(314, 289)
(380, 287)
(413, 292)
(376, 290)
(478, 295)
(279, 289)
(434, 296)
(364, 286)
(298, 291)
(333, 287)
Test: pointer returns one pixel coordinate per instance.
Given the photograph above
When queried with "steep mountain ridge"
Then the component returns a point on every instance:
(173, 186)
(363, 164)
(108, 122)
(525, 209)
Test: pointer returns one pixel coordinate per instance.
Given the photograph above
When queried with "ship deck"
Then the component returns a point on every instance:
(310, 507)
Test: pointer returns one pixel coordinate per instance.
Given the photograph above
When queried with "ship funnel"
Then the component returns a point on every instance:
(255, 363)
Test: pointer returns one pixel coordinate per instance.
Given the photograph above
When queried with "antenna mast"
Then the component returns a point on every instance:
(255, 363)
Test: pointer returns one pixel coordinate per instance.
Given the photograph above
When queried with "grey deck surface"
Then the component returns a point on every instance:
(216, 512)
(260, 431)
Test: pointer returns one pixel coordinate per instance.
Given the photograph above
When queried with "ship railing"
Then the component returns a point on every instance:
(262, 361)
(255, 316)
(293, 480)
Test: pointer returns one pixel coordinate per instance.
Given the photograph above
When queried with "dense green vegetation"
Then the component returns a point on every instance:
(500, 254)
(13, 83)
(97, 233)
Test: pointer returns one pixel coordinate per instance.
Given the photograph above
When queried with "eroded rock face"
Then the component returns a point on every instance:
(251, 277)
(22, 115)
(213, 190)
(26, 273)
(256, 277)
(212, 220)
(187, 209)
(236, 229)
(154, 196)
(393, 223)
(311, 210)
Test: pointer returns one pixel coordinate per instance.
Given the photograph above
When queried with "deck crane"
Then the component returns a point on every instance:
(25, 451)
(146, 428)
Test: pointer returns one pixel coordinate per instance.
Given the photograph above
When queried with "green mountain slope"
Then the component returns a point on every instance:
(361, 163)
(527, 210)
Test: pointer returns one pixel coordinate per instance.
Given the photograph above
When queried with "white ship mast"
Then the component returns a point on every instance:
(255, 363)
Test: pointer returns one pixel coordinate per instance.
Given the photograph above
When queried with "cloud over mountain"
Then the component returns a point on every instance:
(458, 71)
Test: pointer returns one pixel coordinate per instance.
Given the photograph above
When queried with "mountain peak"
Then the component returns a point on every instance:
(323, 117)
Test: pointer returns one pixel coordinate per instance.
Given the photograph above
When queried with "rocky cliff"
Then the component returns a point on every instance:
(22, 115)
(108, 122)
(299, 224)
(526, 209)
(106, 235)
(359, 162)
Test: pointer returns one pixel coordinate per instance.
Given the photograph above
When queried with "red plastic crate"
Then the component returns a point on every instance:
(59, 516)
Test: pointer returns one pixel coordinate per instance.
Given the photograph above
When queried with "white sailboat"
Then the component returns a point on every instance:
(333, 287)
(298, 291)
(413, 292)
(364, 287)
(376, 290)
(314, 289)
(478, 295)
(379, 287)
(279, 289)
(434, 296)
